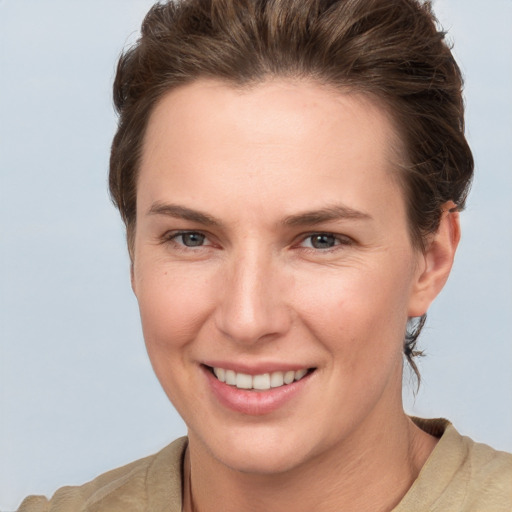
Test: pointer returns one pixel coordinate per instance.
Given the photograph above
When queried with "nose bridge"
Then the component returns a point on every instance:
(252, 305)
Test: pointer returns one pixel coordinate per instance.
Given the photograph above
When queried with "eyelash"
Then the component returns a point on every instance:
(339, 240)
(174, 235)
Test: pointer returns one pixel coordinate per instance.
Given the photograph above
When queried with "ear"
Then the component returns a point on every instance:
(436, 261)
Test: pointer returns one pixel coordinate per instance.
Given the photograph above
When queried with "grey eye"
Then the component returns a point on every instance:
(192, 239)
(322, 241)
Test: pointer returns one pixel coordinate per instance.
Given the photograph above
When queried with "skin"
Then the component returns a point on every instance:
(257, 292)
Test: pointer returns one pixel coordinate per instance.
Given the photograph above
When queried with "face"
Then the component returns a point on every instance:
(273, 268)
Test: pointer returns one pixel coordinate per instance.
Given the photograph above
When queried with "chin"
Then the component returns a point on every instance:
(262, 462)
(258, 451)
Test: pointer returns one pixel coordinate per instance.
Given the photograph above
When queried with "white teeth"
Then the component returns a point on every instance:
(289, 377)
(262, 381)
(276, 379)
(220, 373)
(230, 377)
(300, 373)
(243, 381)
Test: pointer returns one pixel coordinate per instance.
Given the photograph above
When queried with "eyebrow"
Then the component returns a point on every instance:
(330, 213)
(182, 212)
(308, 218)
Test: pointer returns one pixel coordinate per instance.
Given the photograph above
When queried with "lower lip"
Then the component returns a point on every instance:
(254, 403)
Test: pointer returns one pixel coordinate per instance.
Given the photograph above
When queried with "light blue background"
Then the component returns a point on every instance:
(77, 393)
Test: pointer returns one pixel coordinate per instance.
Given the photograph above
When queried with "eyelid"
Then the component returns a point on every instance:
(172, 235)
(341, 240)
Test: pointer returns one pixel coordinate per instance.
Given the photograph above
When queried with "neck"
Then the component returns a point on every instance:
(365, 472)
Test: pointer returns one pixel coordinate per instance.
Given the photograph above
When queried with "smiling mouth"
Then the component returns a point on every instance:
(261, 382)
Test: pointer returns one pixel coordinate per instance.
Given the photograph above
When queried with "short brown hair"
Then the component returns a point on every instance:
(389, 49)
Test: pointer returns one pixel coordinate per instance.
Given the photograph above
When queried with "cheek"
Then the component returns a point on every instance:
(173, 307)
(358, 312)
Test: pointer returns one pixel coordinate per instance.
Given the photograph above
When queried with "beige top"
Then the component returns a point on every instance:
(460, 475)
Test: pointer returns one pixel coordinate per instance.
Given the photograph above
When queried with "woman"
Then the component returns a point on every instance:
(290, 176)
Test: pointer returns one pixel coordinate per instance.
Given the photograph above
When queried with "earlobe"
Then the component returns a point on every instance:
(437, 261)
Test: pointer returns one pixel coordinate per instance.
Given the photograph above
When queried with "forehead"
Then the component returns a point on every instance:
(279, 141)
(276, 109)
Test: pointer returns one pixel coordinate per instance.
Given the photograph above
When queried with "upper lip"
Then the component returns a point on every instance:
(257, 368)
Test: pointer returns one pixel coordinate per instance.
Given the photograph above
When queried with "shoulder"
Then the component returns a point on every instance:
(460, 475)
(151, 483)
(488, 476)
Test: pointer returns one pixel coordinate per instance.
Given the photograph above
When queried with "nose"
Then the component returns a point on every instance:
(252, 305)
